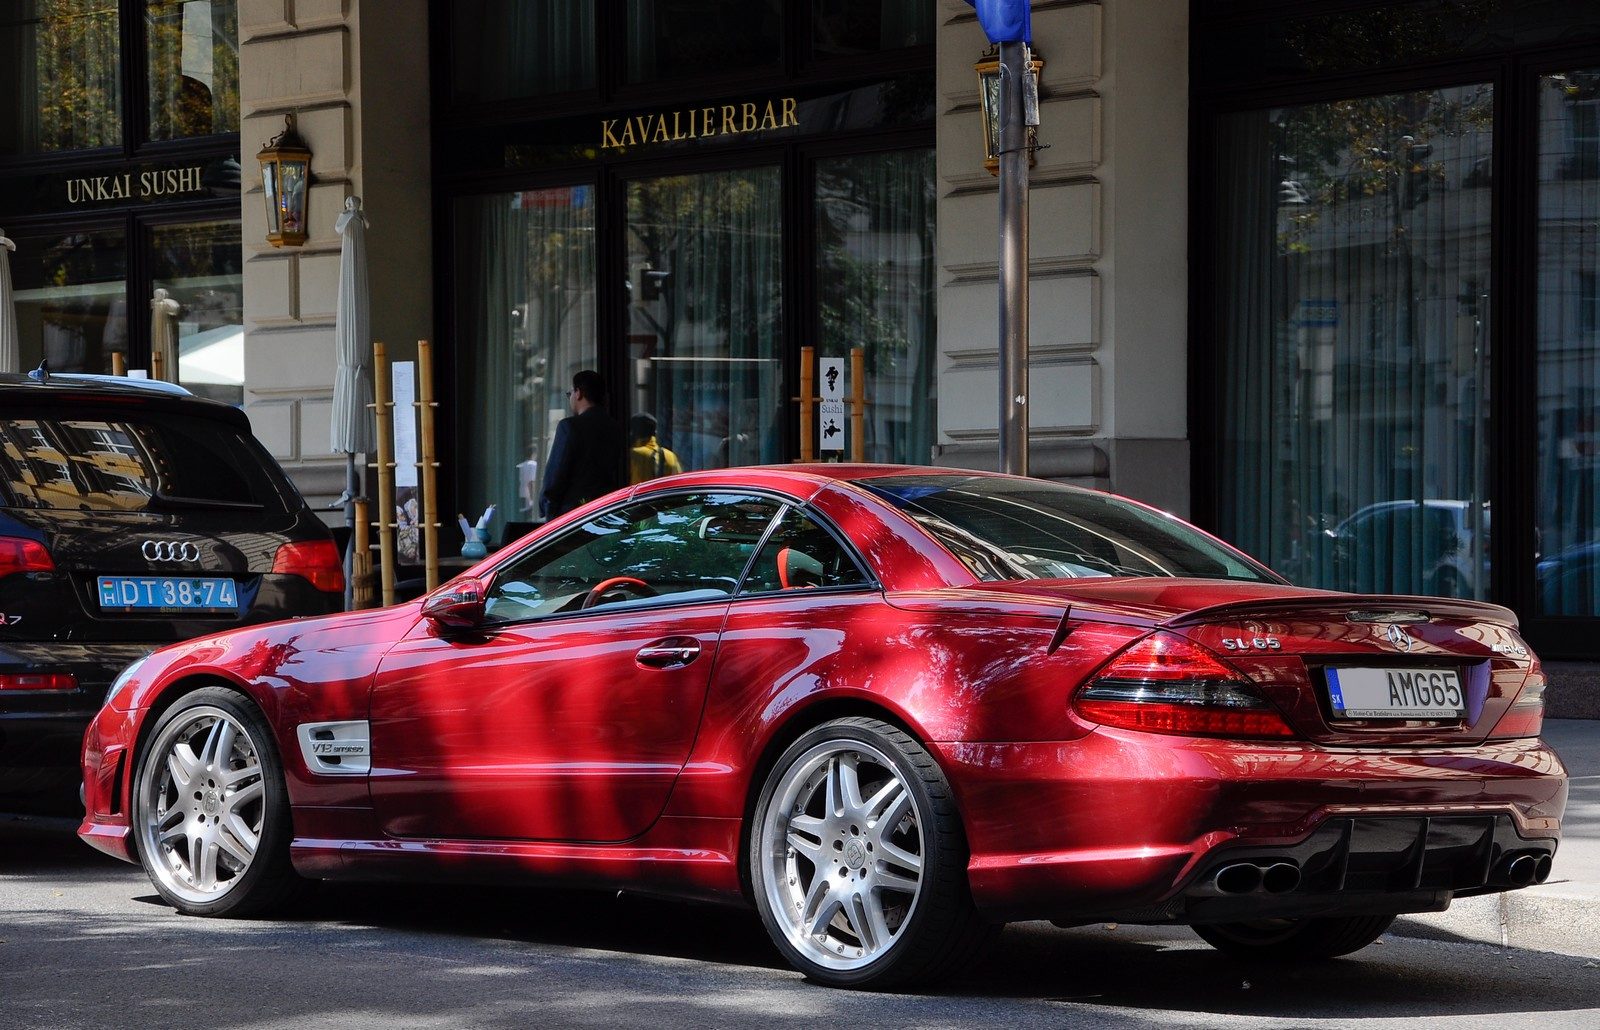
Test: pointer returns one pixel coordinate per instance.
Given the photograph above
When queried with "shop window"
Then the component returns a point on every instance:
(1568, 247)
(676, 40)
(876, 285)
(845, 27)
(71, 298)
(705, 314)
(200, 267)
(1354, 339)
(61, 69)
(514, 49)
(525, 324)
(192, 49)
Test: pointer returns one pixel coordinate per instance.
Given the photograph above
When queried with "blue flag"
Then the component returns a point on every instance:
(1005, 21)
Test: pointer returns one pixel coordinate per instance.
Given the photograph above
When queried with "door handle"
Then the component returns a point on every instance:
(671, 653)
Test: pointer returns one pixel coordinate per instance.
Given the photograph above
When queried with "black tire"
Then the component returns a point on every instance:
(210, 818)
(876, 894)
(1295, 940)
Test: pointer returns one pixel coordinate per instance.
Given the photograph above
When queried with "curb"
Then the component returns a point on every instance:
(1556, 917)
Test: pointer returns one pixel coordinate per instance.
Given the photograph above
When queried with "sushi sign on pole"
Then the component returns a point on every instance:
(831, 410)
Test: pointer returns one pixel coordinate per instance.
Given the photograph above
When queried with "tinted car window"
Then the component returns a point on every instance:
(155, 461)
(1025, 529)
(680, 547)
(800, 554)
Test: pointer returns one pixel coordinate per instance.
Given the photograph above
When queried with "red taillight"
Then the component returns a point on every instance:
(314, 560)
(1166, 684)
(38, 681)
(19, 555)
(1525, 717)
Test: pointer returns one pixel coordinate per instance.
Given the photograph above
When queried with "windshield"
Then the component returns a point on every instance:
(1026, 529)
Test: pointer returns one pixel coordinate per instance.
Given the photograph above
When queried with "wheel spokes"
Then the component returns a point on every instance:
(206, 805)
(847, 864)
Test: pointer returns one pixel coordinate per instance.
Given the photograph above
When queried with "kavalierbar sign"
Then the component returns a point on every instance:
(698, 123)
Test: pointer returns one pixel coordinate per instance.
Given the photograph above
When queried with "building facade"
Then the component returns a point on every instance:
(1320, 275)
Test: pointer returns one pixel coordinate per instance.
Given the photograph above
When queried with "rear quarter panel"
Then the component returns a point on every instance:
(946, 672)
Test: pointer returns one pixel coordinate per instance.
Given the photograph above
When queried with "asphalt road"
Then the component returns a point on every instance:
(84, 942)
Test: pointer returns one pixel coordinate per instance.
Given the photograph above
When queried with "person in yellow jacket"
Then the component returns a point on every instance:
(649, 459)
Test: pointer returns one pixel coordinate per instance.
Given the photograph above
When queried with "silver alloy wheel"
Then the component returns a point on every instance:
(842, 845)
(203, 804)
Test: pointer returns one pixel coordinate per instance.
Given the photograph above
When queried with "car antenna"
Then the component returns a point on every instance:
(42, 373)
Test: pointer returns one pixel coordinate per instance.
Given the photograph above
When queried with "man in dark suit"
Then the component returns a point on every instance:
(586, 457)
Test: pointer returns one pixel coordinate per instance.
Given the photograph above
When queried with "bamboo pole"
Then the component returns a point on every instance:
(361, 557)
(382, 406)
(808, 429)
(858, 405)
(428, 464)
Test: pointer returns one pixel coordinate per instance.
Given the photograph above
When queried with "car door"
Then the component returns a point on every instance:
(570, 712)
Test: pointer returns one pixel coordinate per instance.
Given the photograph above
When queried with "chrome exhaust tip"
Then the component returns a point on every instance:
(1239, 878)
(1520, 870)
(1280, 878)
(1542, 867)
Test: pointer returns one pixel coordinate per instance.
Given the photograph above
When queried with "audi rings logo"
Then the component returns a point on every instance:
(170, 550)
(1398, 637)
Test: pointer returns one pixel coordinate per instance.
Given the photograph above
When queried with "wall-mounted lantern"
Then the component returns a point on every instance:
(286, 178)
(989, 79)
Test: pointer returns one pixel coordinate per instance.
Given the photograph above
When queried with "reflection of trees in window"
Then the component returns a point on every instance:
(1380, 147)
(74, 83)
(193, 49)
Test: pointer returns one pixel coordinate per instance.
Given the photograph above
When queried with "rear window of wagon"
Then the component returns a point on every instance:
(152, 461)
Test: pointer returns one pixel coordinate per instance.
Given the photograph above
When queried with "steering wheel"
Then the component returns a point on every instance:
(638, 586)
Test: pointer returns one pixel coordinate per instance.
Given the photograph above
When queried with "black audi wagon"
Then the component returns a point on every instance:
(131, 515)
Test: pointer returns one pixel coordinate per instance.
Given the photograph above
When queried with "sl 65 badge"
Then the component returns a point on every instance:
(1251, 644)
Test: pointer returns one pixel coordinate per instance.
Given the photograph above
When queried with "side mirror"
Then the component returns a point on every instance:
(456, 605)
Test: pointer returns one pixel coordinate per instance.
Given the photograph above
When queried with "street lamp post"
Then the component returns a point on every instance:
(1014, 153)
(1009, 95)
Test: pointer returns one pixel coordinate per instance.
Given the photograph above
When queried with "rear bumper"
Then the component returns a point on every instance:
(1134, 827)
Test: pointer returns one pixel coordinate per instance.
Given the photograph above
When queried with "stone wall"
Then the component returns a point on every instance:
(319, 60)
(1108, 338)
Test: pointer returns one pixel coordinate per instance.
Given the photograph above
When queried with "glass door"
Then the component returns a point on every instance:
(704, 320)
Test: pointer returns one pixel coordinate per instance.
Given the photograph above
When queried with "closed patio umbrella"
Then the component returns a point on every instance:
(352, 430)
(10, 346)
(164, 334)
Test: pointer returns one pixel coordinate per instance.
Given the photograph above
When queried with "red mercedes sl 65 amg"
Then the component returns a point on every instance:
(891, 708)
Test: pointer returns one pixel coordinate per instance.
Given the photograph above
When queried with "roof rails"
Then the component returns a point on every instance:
(42, 374)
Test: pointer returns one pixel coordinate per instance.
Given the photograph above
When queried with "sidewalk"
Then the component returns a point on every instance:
(1562, 915)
